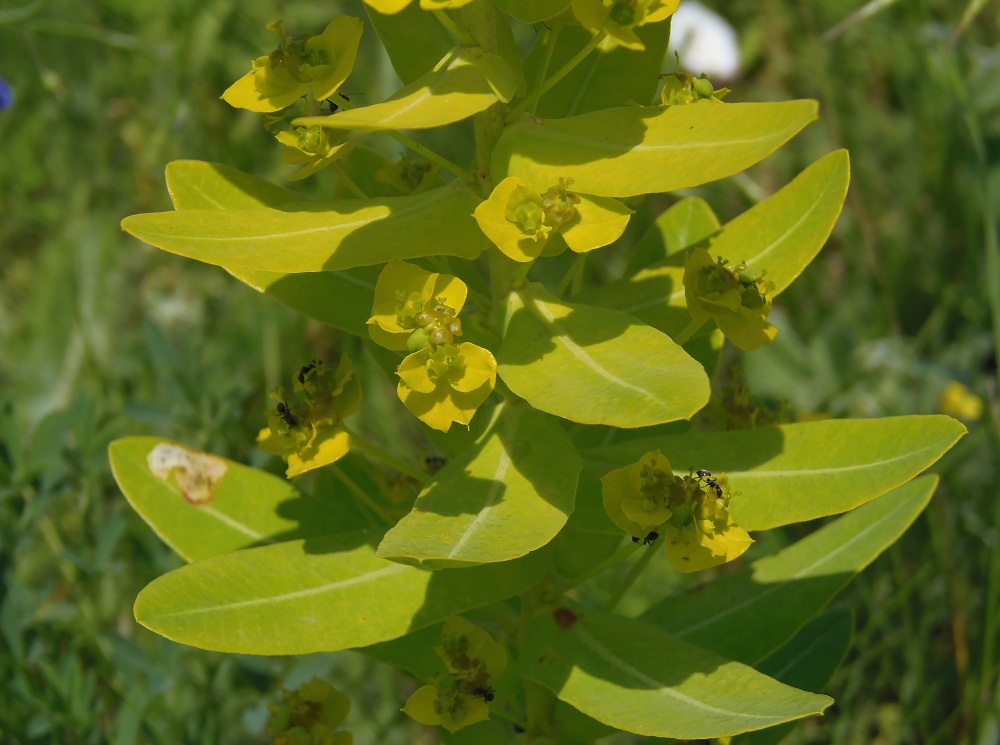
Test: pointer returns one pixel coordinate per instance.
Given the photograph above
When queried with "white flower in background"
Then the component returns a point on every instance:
(705, 41)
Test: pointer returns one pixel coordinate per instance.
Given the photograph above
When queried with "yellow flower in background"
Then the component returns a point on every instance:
(619, 18)
(734, 296)
(520, 221)
(306, 428)
(315, 64)
(312, 714)
(958, 401)
(691, 512)
(683, 88)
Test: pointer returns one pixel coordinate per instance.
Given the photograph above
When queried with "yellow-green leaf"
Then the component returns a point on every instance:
(467, 81)
(507, 495)
(244, 507)
(797, 472)
(195, 184)
(646, 149)
(595, 366)
(734, 615)
(533, 11)
(318, 595)
(634, 677)
(320, 236)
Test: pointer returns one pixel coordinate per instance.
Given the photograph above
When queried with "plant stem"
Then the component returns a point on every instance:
(413, 145)
(555, 78)
(630, 579)
(361, 495)
(460, 36)
(572, 274)
(551, 36)
(348, 181)
(619, 556)
(388, 459)
(685, 336)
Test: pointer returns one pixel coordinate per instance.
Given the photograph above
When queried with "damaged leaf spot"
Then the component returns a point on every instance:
(193, 473)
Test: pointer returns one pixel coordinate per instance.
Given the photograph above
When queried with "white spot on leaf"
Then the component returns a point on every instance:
(195, 474)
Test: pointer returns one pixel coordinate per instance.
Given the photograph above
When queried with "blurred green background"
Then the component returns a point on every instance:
(102, 337)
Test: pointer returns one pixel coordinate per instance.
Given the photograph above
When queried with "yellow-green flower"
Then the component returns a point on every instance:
(460, 697)
(442, 385)
(312, 147)
(414, 307)
(691, 512)
(619, 18)
(520, 221)
(300, 64)
(683, 87)
(306, 428)
(394, 6)
(734, 296)
(310, 715)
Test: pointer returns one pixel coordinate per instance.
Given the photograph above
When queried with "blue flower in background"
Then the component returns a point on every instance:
(6, 95)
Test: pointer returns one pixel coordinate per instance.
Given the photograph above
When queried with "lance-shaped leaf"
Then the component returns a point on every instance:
(508, 494)
(632, 676)
(467, 81)
(317, 595)
(595, 366)
(341, 299)
(779, 236)
(796, 472)
(808, 661)
(234, 507)
(735, 615)
(320, 236)
(634, 150)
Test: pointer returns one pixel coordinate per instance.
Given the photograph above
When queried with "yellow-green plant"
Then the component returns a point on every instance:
(563, 408)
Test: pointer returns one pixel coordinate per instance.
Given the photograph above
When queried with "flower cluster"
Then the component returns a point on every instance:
(310, 715)
(520, 221)
(683, 87)
(295, 78)
(461, 696)
(441, 381)
(619, 18)
(306, 427)
(691, 512)
(734, 296)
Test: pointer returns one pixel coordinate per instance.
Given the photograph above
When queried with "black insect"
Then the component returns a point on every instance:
(286, 414)
(710, 481)
(306, 369)
(486, 693)
(434, 463)
(648, 540)
(334, 107)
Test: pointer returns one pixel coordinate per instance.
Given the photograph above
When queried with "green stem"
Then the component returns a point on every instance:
(630, 579)
(573, 274)
(361, 495)
(413, 145)
(390, 460)
(460, 36)
(522, 274)
(619, 556)
(551, 36)
(348, 181)
(685, 336)
(563, 71)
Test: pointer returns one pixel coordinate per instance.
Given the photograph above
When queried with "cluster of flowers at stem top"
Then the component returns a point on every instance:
(647, 499)
(460, 696)
(441, 381)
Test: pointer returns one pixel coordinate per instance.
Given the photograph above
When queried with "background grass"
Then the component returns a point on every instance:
(101, 337)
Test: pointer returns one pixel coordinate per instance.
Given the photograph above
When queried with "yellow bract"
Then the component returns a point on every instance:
(735, 298)
(321, 64)
(446, 385)
(519, 220)
(619, 18)
(394, 6)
